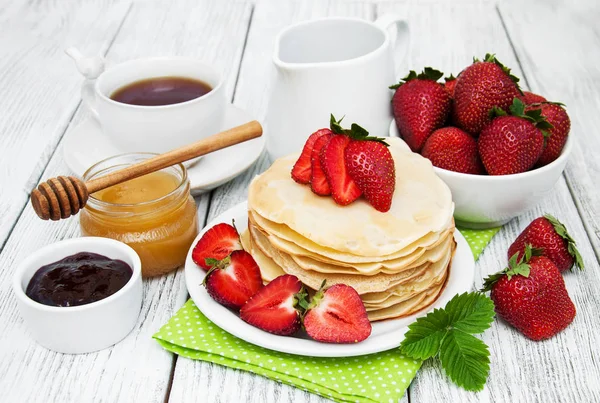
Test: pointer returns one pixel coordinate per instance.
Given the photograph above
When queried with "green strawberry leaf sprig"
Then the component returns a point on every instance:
(355, 132)
(448, 333)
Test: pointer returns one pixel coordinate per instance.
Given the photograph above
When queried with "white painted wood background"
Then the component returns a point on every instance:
(554, 45)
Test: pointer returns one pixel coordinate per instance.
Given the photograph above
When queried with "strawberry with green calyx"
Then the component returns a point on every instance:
(448, 333)
(370, 164)
(420, 106)
(479, 88)
(337, 315)
(549, 235)
(232, 280)
(530, 294)
(512, 143)
(557, 116)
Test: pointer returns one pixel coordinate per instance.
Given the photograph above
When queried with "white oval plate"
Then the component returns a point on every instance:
(385, 335)
(86, 144)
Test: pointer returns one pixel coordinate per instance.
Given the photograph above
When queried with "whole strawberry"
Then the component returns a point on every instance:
(449, 84)
(371, 166)
(531, 295)
(453, 149)
(512, 144)
(556, 115)
(479, 88)
(529, 98)
(551, 238)
(420, 105)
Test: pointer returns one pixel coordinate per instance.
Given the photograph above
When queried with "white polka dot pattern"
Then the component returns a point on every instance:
(381, 377)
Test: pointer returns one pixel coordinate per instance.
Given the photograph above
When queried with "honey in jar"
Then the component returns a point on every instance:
(155, 214)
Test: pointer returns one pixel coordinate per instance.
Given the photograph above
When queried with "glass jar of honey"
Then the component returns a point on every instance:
(155, 214)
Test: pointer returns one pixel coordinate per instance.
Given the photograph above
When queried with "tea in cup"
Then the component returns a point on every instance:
(156, 104)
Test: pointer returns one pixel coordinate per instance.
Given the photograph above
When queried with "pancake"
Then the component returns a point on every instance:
(409, 307)
(419, 258)
(421, 205)
(398, 293)
(415, 287)
(294, 244)
(312, 279)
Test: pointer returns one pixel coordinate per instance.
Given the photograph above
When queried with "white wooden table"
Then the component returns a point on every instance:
(553, 45)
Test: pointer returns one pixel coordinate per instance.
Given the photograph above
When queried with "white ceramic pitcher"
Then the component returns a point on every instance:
(333, 65)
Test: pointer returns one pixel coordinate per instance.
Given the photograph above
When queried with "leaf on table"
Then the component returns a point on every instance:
(466, 360)
(425, 335)
(448, 332)
(470, 312)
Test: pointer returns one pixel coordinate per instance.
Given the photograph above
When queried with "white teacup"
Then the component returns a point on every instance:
(333, 65)
(159, 129)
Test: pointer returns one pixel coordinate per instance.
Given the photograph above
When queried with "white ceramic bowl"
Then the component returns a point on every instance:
(485, 201)
(83, 328)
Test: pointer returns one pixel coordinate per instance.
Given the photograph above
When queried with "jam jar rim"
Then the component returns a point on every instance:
(86, 176)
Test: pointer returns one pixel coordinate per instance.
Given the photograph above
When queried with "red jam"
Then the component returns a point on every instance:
(78, 279)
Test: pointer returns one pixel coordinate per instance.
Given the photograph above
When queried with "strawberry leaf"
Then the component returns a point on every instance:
(209, 261)
(450, 78)
(448, 333)
(355, 132)
(561, 230)
(471, 312)
(466, 360)
(429, 73)
(425, 335)
(495, 112)
(518, 108)
(491, 58)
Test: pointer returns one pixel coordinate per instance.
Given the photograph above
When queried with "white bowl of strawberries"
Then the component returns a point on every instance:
(499, 150)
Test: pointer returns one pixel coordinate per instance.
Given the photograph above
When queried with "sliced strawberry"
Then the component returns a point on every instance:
(371, 166)
(337, 316)
(343, 189)
(273, 308)
(216, 243)
(318, 180)
(232, 281)
(301, 172)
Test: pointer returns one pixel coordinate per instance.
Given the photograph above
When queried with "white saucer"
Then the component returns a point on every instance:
(86, 145)
(385, 335)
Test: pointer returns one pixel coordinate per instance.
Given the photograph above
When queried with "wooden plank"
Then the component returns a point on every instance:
(565, 67)
(41, 86)
(447, 36)
(137, 368)
(213, 383)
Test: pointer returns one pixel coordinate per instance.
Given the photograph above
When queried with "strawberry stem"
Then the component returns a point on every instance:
(355, 132)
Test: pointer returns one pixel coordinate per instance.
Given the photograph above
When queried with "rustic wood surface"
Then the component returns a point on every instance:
(554, 46)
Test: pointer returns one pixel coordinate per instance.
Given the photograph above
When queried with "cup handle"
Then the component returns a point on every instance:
(90, 68)
(401, 35)
(88, 97)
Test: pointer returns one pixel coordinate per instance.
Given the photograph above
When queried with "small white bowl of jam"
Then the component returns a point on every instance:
(80, 295)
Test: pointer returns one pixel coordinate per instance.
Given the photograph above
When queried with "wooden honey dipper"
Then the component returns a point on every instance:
(64, 196)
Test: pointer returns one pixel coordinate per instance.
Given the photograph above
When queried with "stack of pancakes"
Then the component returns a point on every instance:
(397, 261)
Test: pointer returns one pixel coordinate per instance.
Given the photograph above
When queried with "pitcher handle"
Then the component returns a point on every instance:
(400, 36)
(90, 68)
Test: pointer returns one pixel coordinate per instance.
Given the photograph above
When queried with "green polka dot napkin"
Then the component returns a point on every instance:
(380, 377)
